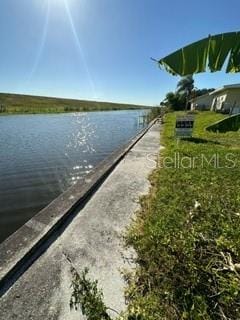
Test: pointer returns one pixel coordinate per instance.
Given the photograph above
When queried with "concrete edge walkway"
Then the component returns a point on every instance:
(22, 248)
(92, 239)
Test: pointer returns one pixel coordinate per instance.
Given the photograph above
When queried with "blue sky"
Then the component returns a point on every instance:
(101, 49)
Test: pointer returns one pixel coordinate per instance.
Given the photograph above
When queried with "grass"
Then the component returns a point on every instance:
(19, 104)
(87, 297)
(187, 235)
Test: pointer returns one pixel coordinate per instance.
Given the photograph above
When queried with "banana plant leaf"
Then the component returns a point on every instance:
(209, 53)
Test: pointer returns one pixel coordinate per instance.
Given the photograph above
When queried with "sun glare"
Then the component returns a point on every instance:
(60, 2)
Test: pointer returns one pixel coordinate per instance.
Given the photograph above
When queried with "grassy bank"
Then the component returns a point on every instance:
(187, 235)
(15, 103)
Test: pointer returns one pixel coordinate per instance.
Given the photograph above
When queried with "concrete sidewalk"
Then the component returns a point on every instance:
(92, 240)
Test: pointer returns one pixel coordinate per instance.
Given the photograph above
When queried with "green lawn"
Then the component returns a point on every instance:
(187, 235)
(16, 103)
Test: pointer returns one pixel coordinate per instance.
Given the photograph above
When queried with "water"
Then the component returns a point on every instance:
(42, 155)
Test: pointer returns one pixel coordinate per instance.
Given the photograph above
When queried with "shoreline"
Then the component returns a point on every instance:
(24, 243)
(72, 111)
(93, 238)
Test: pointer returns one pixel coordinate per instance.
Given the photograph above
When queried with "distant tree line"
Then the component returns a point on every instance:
(179, 100)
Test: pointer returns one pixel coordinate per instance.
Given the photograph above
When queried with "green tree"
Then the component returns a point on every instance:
(178, 100)
(185, 85)
(175, 101)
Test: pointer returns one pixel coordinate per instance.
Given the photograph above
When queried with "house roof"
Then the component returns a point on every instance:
(226, 87)
(198, 97)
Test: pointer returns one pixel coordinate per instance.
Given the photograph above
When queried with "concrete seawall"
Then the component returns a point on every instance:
(35, 273)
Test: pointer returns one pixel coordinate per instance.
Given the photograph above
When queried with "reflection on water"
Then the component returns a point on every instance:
(42, 155)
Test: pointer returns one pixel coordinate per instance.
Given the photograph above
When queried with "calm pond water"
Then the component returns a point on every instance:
(42, 155)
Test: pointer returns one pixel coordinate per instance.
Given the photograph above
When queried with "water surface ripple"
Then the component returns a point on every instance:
(42, 155)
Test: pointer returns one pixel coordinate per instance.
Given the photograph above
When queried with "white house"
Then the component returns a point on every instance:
(203, 102)
(226, 99)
